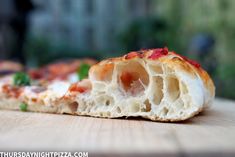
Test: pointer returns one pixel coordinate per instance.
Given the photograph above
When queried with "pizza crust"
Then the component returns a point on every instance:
(154, 84)
(168, 88)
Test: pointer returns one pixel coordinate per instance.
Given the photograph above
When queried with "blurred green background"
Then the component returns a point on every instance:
(37, 32)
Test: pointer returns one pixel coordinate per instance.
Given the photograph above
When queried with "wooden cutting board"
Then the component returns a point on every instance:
(212, 133)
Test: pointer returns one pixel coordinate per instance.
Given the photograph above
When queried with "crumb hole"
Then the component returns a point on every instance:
(107, 103)
(147, 105)
(73, 107)
(133, 78)
(165, 111)
(173, 88)
(118, 110)
(158, 93)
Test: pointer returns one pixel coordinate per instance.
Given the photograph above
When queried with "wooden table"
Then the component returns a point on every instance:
(212, 133)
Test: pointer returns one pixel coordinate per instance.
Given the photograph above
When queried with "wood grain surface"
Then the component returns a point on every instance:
(211, 133)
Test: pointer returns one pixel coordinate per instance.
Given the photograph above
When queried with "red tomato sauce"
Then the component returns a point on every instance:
(11, 90)
(133, 55)
(192, 62)
(76, 88)
(157, 53)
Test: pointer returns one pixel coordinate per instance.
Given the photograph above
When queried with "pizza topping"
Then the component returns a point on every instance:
(157, 53)
(34, 100)
(192, 62)
(23, 107)
(81, 87)
(36, 74)
(38, 89)
(61, 70)
(21, 79)
(12, 91)
(83, 71)
(133, 55)
(76, 88)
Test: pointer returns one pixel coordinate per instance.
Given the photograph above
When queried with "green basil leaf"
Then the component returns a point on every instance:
(83, 71)
(21, 79)
(23, 107)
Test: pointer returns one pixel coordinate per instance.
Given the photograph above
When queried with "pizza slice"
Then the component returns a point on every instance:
(38, 89)
(155, 84)
(9, 67)
(66, 70)
(28, 97)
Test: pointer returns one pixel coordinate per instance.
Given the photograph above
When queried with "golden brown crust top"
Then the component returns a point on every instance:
(162, 55)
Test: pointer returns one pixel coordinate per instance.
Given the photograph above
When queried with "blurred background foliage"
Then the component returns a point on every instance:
(54, 29)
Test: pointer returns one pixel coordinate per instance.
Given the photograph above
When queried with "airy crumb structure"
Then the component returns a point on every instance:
(154, 84)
